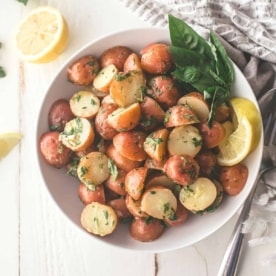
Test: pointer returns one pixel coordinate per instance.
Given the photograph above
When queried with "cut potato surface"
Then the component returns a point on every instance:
(159, 202)
(199, 195)
(184, 140)
(93, 169)
(84, 104)
(78, 134)
(99, 219)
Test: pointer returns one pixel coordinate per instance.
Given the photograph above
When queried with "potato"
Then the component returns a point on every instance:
(146, 229)
(164, 90)
(180, 115)
(127, 88)
(233, 178)
(84, 70)
(184, 140)
(159, 202)
(117, 185)
(78, 134)
(222, 113)
(134, 207)
(59, 114)
(53, 151)
(207, 161)
(99, 219)
(116, 55)
(87, 195)
(182, 169)
(158, 178)
(152, 114)
(181, 215)
(121, 161)
(156, 58)
(102, 126)
(155, 144)
(135, 182)
(119, 206)
(132, 63)
(155, 164)
(199, 195)
(93, 169)
(103, 79)
(130, 144)
(197, 103)
(212, 136)
(84, 104)
(125, 118)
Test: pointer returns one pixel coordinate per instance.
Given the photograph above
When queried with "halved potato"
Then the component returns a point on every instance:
(127, 88)
(159, 202)
(155, 144)
(199, 195)
(197, 103)
(158, 178)
(184, 140)
(125, 118)
(103, 79)
(99, 219)
(93, 169)
(84, 104)
(134, 207)
(132, 62)
(78, 134)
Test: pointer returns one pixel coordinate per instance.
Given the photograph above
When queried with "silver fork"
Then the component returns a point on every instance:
(231, 257)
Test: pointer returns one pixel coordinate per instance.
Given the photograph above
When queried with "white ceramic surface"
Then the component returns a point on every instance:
(63, 188)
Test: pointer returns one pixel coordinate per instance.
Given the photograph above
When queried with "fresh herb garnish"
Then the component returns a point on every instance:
(205, 66)
(23, 1)
(2, 71)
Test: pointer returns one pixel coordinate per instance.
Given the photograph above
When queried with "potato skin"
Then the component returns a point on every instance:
(59, 114)
(53, 151)
(117, 185)
(233, 178)
(116, 55)
(88, 196)
(84, 70)
(156, 58)
(207, 161)
(146, 229)
(181, 215)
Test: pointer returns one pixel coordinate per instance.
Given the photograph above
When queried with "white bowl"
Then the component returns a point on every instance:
(63, 188)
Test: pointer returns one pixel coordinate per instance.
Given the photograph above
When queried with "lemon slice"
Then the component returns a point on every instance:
(8, 141)
(42, 36)
(246, 133)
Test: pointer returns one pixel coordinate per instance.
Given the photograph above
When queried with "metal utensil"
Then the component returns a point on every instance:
(231, 257)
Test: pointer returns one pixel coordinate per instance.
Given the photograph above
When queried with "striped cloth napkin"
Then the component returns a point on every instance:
(247, 29)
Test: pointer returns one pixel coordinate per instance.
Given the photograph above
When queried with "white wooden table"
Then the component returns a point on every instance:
(35, 237)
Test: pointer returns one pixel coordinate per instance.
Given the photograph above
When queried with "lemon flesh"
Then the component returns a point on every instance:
(8, 141)
(245, 136)
(42, 36)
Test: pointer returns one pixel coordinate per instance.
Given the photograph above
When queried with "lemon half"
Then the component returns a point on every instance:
(8, 141)
(246, 134)
(42, 35)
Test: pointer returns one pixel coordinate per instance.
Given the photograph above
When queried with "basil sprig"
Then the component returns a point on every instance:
(201, 64)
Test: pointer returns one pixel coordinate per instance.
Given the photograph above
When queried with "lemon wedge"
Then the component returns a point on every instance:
(8, 141)
(245, 135)
(42, 35)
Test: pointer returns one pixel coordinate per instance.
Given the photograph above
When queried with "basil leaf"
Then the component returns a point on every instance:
(183, 57)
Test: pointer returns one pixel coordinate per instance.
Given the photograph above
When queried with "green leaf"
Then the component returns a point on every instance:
(2, 72)
(23, 1)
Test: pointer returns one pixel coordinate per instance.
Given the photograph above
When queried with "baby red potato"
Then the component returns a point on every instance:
(134, 207)
(155, 144)
(132, 63)
(135, 182)
(164, 90)
(121, 161)
(181, 215)
(119, 206)
(158, 178)
(146, 229)
(53, 151)
(155, 164)
(197, 103)
(233, 178)
(117, 184)
(212, 136)
(87, 195)
(182, 169)
(222, 113)
(59, 114)
(207, 161)
(152, 114)
(83, 71)
(130, 144)
(116, 55)
(156, 58)
(180, 115)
